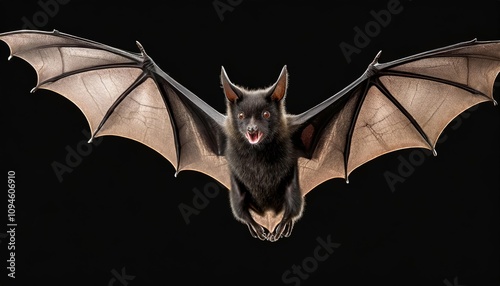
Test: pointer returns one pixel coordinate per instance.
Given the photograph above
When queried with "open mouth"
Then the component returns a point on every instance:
(253, 137)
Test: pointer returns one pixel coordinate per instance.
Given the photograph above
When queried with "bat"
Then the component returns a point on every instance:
(268, 159)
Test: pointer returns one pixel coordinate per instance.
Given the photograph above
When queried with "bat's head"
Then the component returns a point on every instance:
(256, 116)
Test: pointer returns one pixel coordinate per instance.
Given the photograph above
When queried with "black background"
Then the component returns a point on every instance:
(118, 210)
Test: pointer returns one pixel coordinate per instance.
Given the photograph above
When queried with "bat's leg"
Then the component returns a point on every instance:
(240, 205)
(293, 206)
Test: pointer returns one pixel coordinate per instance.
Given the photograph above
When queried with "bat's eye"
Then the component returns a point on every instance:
(266, 114)
(241, 115)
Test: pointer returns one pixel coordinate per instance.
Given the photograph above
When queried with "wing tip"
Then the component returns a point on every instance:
(92, 137)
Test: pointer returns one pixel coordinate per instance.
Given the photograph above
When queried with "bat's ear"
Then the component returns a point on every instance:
(230, 90)
(279, 88)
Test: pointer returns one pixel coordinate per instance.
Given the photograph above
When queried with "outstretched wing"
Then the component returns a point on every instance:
(128, 95)
(405, 103)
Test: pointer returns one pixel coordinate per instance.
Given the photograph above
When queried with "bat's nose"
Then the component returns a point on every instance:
(252, 128)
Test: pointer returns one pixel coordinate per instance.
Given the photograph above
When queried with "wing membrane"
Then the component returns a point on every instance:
(128, 95)
(402, 104)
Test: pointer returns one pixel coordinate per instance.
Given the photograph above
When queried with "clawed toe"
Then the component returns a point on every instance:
(283, 229)
(258, 231)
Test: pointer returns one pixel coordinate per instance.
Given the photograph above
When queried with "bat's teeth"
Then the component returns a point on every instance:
(33, 89)
(90, 140)
(10, 57)
(175, 175)
(347, 180)
(495, 103)
(434, 152)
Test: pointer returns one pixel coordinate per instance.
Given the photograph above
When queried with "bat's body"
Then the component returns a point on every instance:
(268, 159)
(265, 192)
